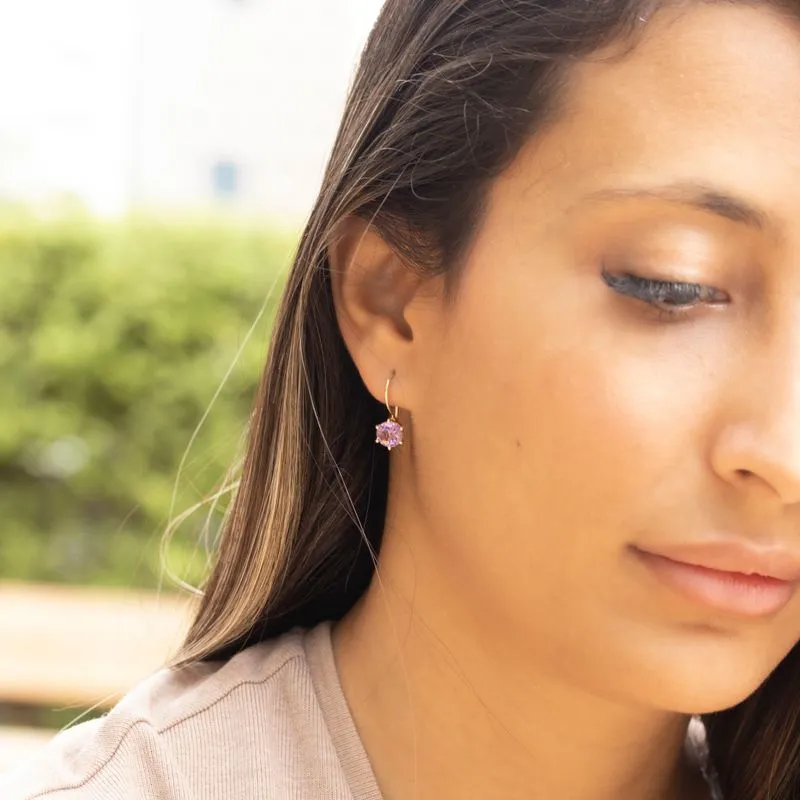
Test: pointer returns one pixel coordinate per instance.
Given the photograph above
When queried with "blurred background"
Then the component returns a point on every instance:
(157, 161)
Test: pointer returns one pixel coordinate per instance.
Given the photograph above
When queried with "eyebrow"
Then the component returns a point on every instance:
(696, 195)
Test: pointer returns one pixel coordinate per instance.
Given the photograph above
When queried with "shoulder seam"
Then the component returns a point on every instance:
(161, 730)
(230, 691)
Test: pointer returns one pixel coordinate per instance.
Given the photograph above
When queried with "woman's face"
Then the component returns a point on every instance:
(566, 413)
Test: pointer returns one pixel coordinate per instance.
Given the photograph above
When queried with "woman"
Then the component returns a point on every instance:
(556, 261)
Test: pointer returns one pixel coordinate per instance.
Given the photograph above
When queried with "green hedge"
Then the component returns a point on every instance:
(114, 338)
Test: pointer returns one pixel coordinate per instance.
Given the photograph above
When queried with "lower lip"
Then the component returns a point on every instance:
(729, 592)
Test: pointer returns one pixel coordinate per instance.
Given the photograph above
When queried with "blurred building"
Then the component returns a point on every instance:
(174, 105)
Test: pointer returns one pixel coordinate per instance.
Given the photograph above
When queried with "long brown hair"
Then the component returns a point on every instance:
(446, 94)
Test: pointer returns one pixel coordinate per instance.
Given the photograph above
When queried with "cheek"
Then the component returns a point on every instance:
(550, 426)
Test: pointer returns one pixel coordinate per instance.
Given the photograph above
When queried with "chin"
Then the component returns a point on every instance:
(673, 668)
(708, 702)
(705, 685)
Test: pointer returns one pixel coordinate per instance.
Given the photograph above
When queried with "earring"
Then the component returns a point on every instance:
(389, 433)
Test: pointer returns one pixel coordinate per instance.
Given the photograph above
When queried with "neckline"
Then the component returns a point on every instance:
(355, 763)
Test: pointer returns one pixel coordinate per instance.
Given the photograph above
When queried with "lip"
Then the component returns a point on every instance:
(727, 576)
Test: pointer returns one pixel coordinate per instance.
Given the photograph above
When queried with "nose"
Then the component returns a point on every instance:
(758, 449)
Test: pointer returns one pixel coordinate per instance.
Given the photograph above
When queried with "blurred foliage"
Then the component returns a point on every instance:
(114, 339)
(16, 715)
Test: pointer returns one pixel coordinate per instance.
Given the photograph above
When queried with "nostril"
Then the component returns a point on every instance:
(744, 473)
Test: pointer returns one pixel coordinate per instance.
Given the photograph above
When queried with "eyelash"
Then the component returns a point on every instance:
(669, 298)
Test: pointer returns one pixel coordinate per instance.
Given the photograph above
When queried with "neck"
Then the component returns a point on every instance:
(476, 712)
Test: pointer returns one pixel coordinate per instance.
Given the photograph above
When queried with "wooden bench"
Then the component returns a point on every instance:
(65, 647)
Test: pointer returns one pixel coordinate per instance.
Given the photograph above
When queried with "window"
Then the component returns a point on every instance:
(225, 179)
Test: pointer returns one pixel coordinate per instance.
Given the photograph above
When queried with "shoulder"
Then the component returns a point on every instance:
(180, 734)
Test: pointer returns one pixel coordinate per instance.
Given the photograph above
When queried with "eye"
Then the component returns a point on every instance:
(669, 297)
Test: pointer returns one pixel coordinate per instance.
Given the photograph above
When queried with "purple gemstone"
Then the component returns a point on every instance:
(389, 434)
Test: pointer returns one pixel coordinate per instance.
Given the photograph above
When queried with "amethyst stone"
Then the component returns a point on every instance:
(389, 434)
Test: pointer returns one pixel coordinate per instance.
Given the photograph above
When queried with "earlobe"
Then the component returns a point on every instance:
(372, 288)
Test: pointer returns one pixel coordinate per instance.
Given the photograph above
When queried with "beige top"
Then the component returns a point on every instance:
(272, 723)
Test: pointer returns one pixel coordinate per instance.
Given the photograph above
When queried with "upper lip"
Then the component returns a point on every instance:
(742, 557)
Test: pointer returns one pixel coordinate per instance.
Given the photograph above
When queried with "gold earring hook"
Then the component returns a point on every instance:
(392, 414)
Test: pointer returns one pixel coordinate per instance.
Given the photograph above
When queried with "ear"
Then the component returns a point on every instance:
(373, 290)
